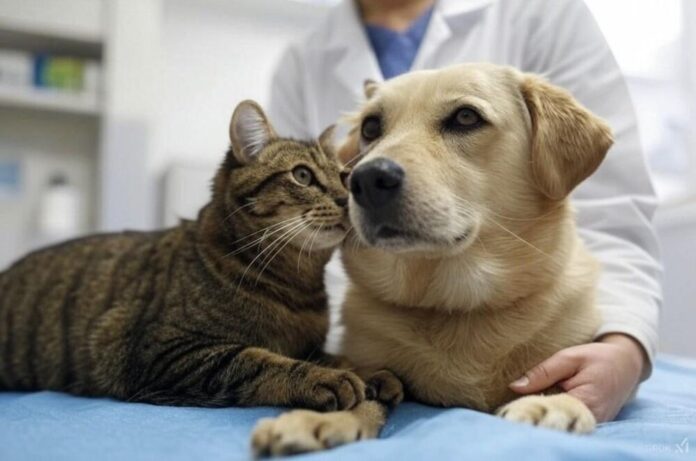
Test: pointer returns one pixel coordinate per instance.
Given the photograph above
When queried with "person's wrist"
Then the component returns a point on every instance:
(633, 348)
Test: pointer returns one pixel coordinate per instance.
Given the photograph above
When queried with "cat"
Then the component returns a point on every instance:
(225, 310)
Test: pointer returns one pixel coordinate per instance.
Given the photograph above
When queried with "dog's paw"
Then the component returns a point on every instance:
(561, 411)
(385, 387)
(303, 431)
(329, 389)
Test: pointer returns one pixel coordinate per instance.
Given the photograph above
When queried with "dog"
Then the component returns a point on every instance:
(465, 267)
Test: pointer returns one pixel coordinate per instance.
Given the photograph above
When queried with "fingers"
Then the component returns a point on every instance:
(558, 367)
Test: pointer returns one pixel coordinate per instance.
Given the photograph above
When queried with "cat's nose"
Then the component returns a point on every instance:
(377, 183)
(341, 201)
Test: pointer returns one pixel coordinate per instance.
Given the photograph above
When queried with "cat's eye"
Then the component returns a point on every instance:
(371, 128)
(303, 175)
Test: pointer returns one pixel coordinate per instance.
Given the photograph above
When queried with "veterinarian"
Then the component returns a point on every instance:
(320, 78)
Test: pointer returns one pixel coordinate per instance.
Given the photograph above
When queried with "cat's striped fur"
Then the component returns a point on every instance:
(213, 312)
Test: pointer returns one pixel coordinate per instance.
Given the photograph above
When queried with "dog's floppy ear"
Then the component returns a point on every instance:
(250, 131)
(568, 141)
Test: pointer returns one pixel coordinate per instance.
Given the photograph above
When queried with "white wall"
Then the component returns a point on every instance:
(689, 63)
(132, 80)
(676, 226)
(215, 54)
(79, 19)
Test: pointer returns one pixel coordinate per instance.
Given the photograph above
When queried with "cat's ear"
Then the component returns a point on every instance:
(326, 141)
(250, 131)
(370, 87)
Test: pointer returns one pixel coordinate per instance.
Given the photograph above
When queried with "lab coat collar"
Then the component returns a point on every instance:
(453, 8)
(442, 22)
(348, 37)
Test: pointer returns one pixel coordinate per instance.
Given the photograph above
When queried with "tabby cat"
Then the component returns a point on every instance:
(225, 310)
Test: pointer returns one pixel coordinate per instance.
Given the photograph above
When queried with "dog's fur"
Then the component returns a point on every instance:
(490, 277)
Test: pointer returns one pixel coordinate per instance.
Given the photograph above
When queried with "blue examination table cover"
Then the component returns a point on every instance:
(659, 425)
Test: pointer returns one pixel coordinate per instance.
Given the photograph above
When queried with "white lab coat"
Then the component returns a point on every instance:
(321, 77)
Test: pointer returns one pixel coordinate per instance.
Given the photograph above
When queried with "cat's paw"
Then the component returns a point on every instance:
(384, 387)
(561, 411)
(331, 389)
(303, 431)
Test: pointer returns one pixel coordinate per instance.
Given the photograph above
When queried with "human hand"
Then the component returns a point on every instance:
(602, 375)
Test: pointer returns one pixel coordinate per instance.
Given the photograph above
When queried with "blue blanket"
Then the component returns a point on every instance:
(659, 425)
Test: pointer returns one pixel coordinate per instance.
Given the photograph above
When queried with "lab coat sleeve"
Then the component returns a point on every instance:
(615, 206)
(287, 107)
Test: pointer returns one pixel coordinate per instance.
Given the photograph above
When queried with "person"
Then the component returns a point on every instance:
(321, 77)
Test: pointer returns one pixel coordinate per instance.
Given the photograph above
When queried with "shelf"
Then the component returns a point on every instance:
(49, 39)
(49, 100)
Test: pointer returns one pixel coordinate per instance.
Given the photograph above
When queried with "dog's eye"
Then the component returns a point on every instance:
(463, 120)
(467, 117)
(303, 175)
(371, 128)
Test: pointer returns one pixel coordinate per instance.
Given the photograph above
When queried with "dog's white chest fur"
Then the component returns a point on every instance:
(439, 356)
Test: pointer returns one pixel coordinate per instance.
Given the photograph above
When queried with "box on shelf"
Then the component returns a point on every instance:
(65, 73)
(15, 68)
(10, 178)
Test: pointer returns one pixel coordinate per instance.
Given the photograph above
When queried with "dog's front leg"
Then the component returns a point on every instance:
(302, 431)
(558, 411)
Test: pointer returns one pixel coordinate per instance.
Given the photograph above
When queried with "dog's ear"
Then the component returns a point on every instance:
(326, 141)
(250, 132)
(568, 141)
(370, 87)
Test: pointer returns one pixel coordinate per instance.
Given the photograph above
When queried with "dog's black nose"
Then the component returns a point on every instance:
(376, 183)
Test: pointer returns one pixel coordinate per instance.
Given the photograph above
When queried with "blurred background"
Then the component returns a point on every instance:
(114, 113)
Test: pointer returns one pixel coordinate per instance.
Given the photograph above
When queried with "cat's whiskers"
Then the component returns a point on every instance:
(272, 256)
(268, 248)
(311, 245)
(278, 227)
(312, 236)
(267, 228)
(238, 209)
(299, 256)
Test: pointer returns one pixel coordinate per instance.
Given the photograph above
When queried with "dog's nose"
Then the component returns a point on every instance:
(376, 183)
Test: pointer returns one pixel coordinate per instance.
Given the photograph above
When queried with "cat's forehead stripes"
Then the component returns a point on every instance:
(292, 150)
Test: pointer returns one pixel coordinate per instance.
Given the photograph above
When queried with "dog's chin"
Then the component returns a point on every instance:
(403, 240)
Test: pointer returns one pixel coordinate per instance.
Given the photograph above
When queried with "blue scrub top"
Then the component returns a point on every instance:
(395, 51)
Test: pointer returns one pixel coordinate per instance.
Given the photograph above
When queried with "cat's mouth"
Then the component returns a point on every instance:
(332, 227)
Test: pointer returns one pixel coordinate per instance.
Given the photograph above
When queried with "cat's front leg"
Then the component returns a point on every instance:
(248, 376)
(559, 411)
(382, 385)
